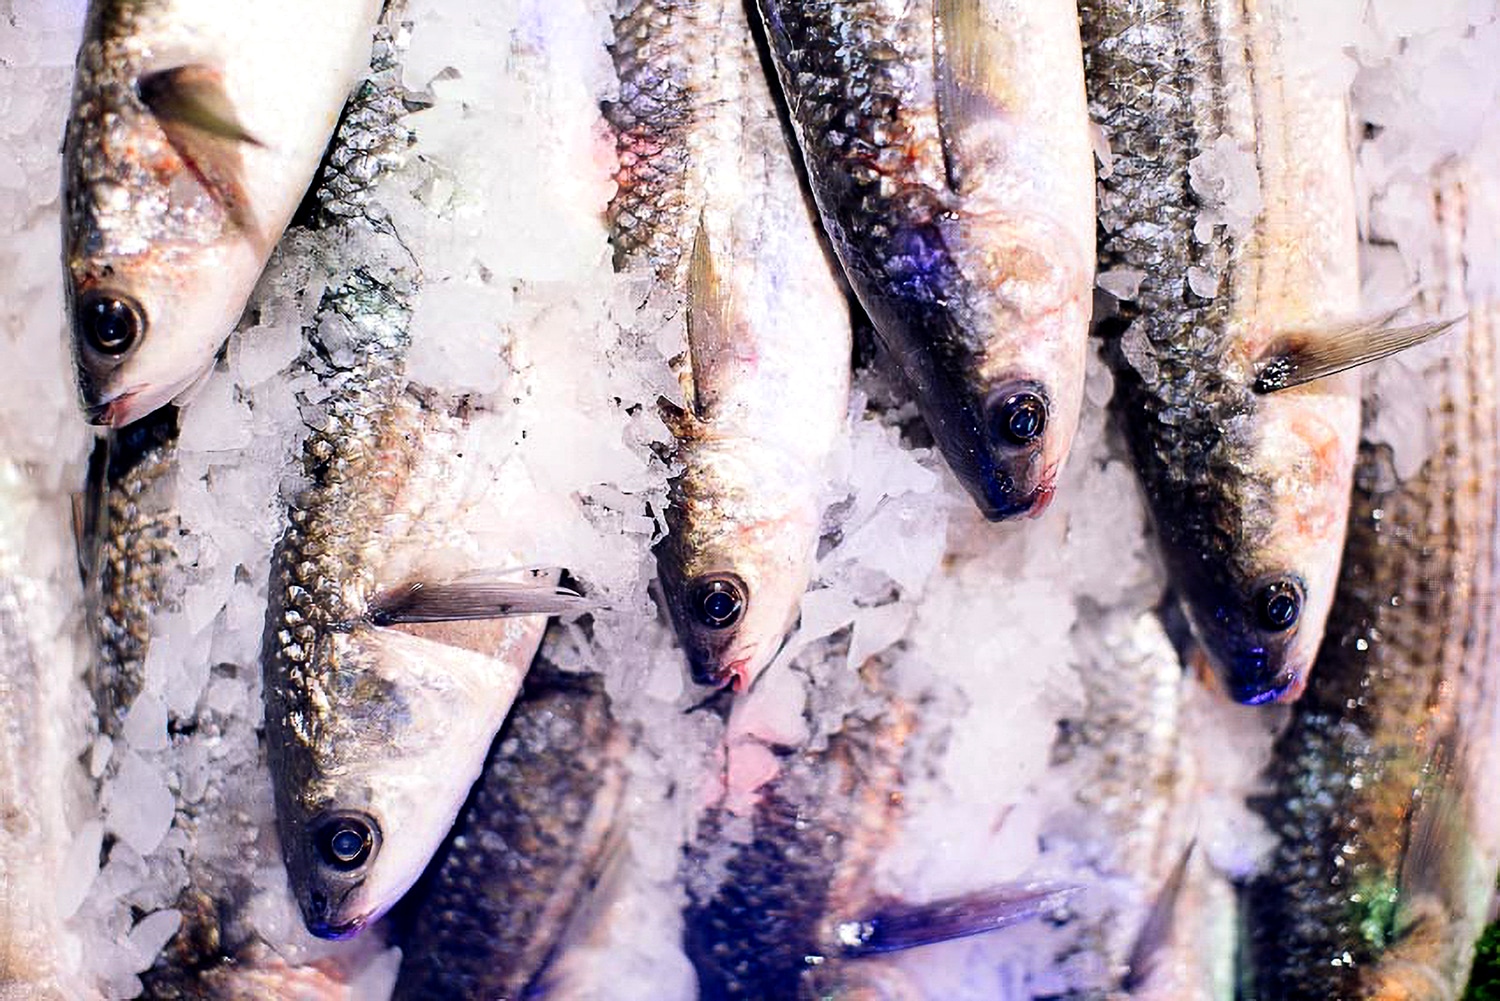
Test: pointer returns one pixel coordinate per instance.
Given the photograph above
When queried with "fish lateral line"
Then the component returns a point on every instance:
(895, 926)
(468, 600)
(1307, 356)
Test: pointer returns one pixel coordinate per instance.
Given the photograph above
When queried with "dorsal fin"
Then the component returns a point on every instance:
(709, 326)
(969, 55)
(1306, 356)
(196, 115)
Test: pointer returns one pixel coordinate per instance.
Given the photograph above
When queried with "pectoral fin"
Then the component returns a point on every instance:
(197, 116)
(972, 88)
(1307, 356)
(473, 597)
(893, 926)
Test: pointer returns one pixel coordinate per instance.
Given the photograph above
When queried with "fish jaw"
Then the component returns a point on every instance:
(395, 741)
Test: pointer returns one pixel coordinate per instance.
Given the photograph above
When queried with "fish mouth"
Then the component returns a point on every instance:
(1032, 505)
(115, 412)
(336, 931)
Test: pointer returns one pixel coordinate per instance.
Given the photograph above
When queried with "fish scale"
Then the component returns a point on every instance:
(1229, 193)
(1382, 796)
(946, 146)
(524, 853)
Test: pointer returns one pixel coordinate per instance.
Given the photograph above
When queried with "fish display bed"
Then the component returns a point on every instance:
(982, 760)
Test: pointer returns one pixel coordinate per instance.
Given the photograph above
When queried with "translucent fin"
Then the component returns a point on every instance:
(971, 84)
(894, 926)
(196, 115)
(709, 327)
(1158, 926)
(472, 597)
(1304, 357)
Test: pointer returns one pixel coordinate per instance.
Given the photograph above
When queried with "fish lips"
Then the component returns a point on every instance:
(324, 912)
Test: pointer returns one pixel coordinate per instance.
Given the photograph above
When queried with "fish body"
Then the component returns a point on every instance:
(947, 146)
(194, 132)
(1229, 194)
(130, 550)
(709, 203)
(1383, 786)
(525, 852)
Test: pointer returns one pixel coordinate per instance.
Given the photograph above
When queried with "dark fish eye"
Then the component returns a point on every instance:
(111, 324)
(345, 842)
(1278, 605)
(718, 600)
(1018, 414)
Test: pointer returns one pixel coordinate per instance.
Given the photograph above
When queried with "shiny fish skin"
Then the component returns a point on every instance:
(1248, 492)
(131, 549)
(709, 202)
(524, 853)
(818, 828)
(1383, 788)
(962, 215)
(168, 215)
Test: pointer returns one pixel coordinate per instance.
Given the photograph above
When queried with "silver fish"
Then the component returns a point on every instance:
(1383, 789)
(529, 845)
(1228, 378)
(947, 145)
(709, 200)
(795, 915)
(195, 130)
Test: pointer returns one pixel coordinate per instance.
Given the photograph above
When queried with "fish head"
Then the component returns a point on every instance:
(370, 776)
(735, 563)
(1006, 410)
(1259, 607)
(146, 327)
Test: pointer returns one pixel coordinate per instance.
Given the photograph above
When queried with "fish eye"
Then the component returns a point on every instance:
(111, 324)
(1278, 605)
(718, 600)
(345, 842)
(1017, 413)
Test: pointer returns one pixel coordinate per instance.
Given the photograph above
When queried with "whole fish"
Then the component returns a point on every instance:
(129, 548)
(796, 915)
(1383, 789)
(947, 144)
(195, 130)
(525, 852)
(709, 201)
(1229, 200)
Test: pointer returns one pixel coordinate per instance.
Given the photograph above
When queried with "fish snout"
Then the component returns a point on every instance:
(319, 916)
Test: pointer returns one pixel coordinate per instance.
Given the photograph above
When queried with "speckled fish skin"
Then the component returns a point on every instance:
(1248, 492)
(130, 552)
(1384, 786)
(372, 717)
(770, 930)
(962, 214)
(710, 203)
(525, 852)
(176, 220)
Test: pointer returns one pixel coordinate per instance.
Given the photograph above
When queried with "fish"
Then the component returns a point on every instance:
(1229, 195)
(527, 849)
(1382, 790)
(947, 145)
(194, 131)
(389, 664)
(709, 203)
(795, 915)
(128, 550)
